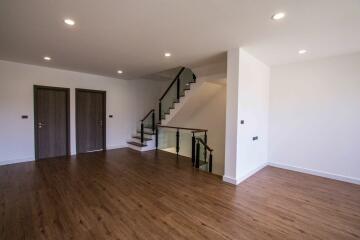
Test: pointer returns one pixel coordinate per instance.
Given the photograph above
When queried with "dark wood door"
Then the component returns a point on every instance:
(51, 115)
(90, 120)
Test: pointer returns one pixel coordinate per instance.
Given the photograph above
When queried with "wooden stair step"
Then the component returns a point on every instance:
(137, 144)
(148, 133)
(145, 139)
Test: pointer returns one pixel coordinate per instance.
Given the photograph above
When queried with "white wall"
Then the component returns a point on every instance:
(232, 117)
(253, 109)
(315, 117)
(248, 100)
(128, 101)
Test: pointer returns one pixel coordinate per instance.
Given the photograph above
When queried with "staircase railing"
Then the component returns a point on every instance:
(172, 94)
(176, 89)
(196, 155)
(149, 122)
(198, 143)
(206, 149)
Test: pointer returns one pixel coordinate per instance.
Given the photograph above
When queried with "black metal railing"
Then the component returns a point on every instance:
(196, 143)
(206, 149)
(149, 122)
(175, 90)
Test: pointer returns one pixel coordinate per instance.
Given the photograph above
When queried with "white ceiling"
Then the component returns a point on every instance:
(133, 35)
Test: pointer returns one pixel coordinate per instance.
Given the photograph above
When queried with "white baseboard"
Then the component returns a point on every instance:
(19, 160)
(317, 173)
(230, 180)
(116, 146)
(237, 181)
(29, 159)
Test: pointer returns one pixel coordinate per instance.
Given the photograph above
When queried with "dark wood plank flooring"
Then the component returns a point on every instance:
(124, 194)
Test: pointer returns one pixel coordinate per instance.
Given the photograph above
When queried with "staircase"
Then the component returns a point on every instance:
(168, 103)
(148, 142)
(192, 143)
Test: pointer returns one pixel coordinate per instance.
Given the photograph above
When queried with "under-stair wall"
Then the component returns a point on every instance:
(205, 108)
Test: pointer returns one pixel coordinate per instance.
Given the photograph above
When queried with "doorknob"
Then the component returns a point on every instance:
(40, 124)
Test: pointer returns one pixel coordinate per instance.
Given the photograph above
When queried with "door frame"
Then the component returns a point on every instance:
(36, 134)
(77, 90)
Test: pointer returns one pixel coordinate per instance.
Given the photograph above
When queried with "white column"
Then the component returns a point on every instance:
(246, 145)
(232, 116)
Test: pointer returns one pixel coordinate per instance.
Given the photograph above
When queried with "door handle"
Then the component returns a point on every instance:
(40, 124)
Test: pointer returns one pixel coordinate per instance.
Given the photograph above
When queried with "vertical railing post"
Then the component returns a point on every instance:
(178, 88)
(160, 111)
(153, 121)
(177, 142)
(142, 132)
(193, 142)
(197, 162)
(210, 162)
(205, 140)
(157, 137)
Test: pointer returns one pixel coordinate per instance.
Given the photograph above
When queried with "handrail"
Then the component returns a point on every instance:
(152, 110)
(205, 145)
(195, 147)
(183, 128)
(172, 83)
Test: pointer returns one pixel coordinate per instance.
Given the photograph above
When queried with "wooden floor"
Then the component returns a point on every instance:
(124, 194)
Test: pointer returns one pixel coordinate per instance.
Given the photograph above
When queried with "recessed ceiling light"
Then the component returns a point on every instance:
(119, 71)
(302, 51)
(167, 54)
(47, 58)
(278, 16)
(69, 22)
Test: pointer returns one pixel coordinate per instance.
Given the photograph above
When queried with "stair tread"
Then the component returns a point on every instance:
(177, 101)
(148, 133)
(137, 144)
(138, 137)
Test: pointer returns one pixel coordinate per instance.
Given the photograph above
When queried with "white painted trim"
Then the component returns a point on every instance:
(116, 146)
(317, 173)
(30, 159)
(252, 172)
(244, 177)
(230, 180)
(20, 160)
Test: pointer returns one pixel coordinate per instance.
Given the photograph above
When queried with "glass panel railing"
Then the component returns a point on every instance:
(187, 142)
(176, 90)
(203, 161)
(167, 139)
(168, 101)
(149, 121)
(185, 78)
(203, 136)
(204, 157)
